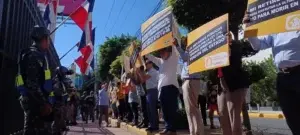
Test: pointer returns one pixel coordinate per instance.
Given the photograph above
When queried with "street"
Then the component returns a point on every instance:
(271, 126)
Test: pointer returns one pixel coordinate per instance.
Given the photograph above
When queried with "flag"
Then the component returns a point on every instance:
(86, 45)
(50, 15)
(83, 41)
(81, 15)
(84, 67)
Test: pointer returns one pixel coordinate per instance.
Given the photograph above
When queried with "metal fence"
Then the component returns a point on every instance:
(17, 18)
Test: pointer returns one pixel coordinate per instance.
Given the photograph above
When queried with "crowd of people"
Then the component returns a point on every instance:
(135, 98)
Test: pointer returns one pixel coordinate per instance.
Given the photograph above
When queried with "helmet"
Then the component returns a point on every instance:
(62, 71)
(39, 32)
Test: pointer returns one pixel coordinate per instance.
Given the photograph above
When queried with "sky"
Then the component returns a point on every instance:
(136, 11)
(126, 20)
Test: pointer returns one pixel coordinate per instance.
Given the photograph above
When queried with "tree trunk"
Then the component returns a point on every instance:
(246, 119)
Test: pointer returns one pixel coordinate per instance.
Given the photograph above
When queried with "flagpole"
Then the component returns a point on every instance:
(68, 52)
(65, 20)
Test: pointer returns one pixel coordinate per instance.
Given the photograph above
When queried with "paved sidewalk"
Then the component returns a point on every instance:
(94, 129)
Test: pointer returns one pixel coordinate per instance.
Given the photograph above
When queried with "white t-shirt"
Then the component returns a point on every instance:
(167, 69)
(152, 82)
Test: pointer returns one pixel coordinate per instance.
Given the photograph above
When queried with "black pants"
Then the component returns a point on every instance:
(33, 124)
(202, 102)
(128, 111)
(121, 108)
(288, 92)
(144, 110)
(135, 112)
(181, 100)
(169, 105)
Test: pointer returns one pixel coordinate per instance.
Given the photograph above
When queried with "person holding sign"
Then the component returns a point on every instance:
(234, 83)
(167, 85)
(286, 54)
(191, 87)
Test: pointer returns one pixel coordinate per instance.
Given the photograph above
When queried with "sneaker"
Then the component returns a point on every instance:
(149, 129)
(143, 126)
(167, 132)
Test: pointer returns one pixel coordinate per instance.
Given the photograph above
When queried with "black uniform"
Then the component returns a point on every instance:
(32, 64)
(83, 107)
(90, 102)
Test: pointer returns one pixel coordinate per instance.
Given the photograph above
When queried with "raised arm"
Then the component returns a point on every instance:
(261, 43)
(183, 54)
(154, 59)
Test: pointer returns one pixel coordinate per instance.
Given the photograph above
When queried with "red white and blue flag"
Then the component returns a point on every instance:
(82, 13)
(86, 45)
(50, 14)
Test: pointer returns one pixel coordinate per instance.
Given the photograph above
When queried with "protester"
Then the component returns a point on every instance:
(212, 102)
(286, 54)
(202, 101)
(133, 99)
(142, 94)
(121, 101)
(168, 85)
(126, 87)
(114, 101)
(234, 82)
(191, 87)
(151, 78)
(103, 103)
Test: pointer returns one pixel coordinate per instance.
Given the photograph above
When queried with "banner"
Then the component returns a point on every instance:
(208, 46)
(135, 57)
(126, 61)
(272, 16)
(159, 31)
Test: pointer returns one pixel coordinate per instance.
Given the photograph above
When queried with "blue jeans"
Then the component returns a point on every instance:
(169, 105)
(152, 96)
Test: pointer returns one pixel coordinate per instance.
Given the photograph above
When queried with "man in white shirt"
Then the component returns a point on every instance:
(152, 95)
(103, 103)
(168, 85)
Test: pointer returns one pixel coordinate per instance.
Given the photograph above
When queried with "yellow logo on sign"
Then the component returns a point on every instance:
(293, 22)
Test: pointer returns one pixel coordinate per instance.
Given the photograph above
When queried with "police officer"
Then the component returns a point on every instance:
(60, 87)
(90, 101)
(34, 83)
(83, 106)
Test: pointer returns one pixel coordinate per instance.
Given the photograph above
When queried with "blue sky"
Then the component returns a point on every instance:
(68, 35)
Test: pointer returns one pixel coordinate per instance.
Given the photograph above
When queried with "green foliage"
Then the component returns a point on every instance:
(116, 67)
(194, 13)
(108, 52)
(264, 89)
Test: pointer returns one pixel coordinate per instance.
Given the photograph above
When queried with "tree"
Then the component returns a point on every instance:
(265, 90)
(194, 13)
(108, 52)
(116, 67)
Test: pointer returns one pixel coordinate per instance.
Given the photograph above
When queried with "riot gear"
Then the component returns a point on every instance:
(38, 33)
(61, 86)
(34, 84)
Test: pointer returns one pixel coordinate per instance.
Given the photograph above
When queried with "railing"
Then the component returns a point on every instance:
(17, 18)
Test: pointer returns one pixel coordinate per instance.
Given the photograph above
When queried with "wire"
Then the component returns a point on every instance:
(138, 33)
(117, 17)
(109, 14)
(129, 11)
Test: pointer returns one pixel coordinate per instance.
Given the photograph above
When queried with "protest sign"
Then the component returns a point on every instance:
(158, 31)
(135, 57)
(208, 46)
(272, 16)
(126, 61)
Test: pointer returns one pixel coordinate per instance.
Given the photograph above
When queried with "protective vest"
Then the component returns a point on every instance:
(47, 86)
